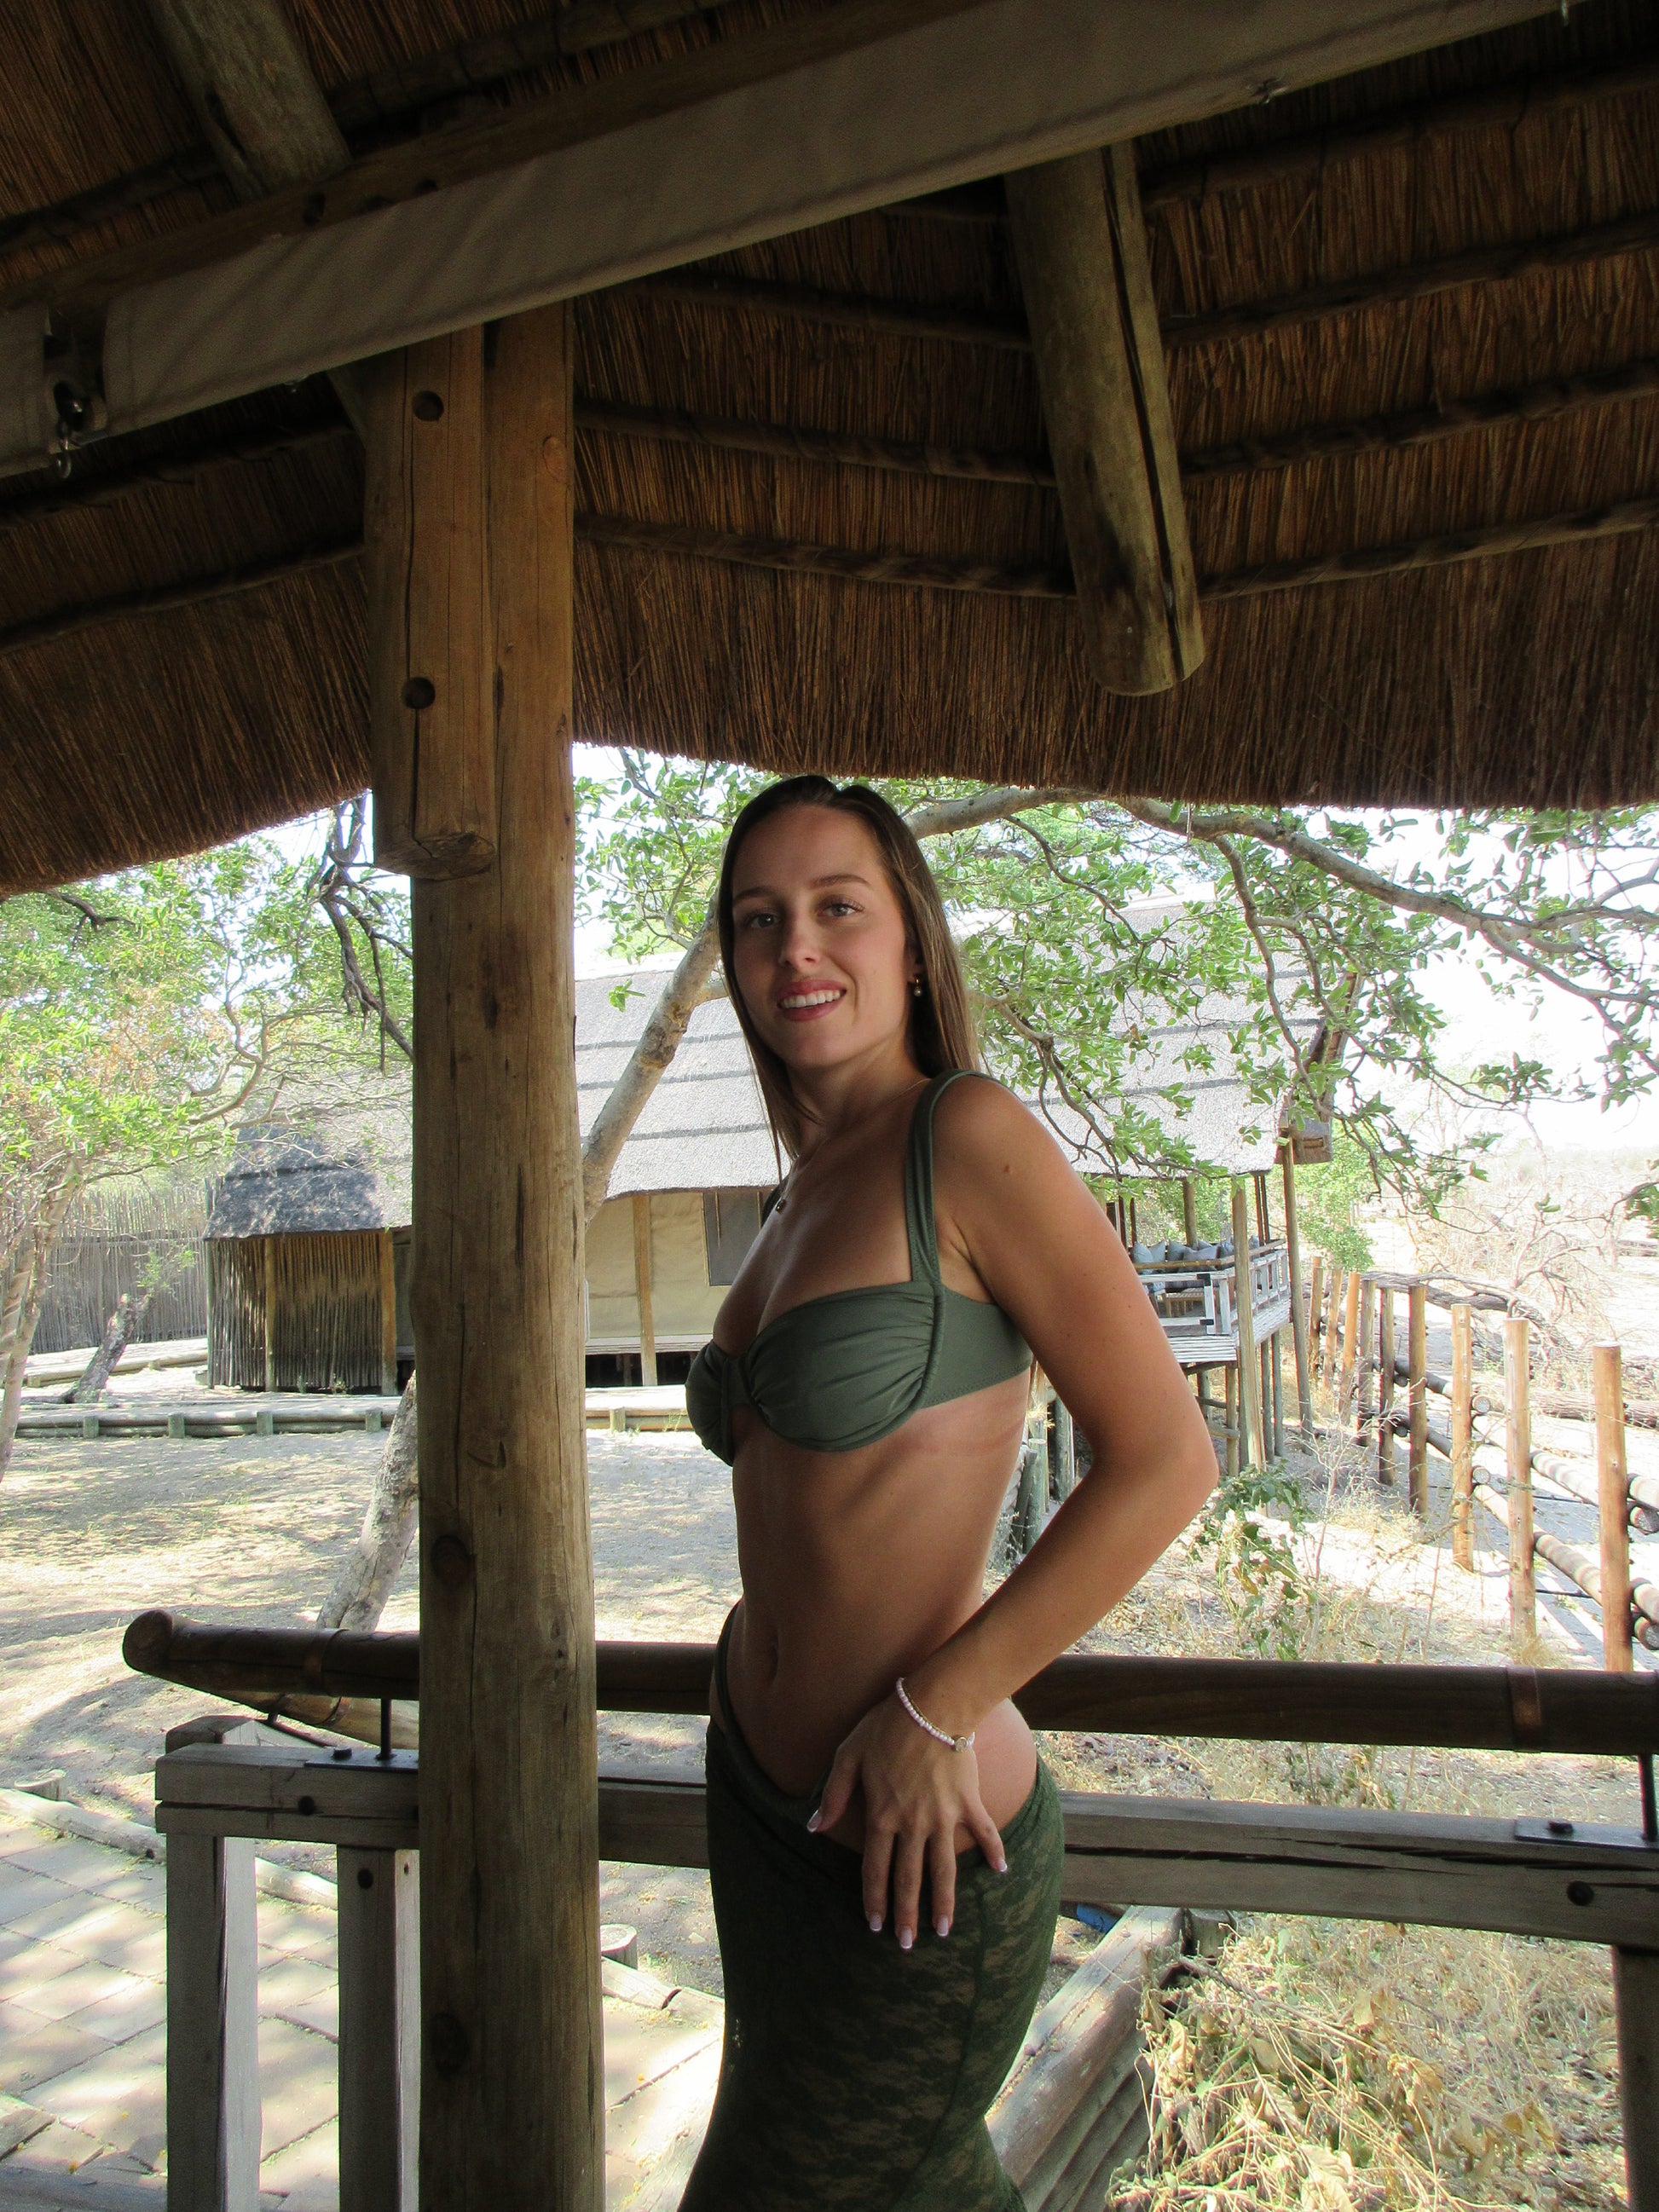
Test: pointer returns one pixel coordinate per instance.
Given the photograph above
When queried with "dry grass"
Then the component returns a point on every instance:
(1333, 2066)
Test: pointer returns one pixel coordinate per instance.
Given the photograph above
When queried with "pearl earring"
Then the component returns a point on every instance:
(917, 986)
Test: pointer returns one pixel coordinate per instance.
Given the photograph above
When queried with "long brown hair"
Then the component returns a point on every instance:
(941, 1028)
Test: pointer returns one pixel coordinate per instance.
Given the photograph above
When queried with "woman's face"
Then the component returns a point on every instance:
(822, 962)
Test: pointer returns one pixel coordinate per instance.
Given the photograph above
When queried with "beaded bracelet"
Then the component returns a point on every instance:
(939, 1735)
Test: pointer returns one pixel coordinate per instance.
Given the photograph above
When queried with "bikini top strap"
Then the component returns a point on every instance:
(919, 1224)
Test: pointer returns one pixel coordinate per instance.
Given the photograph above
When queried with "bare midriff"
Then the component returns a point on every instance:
(856, 1567)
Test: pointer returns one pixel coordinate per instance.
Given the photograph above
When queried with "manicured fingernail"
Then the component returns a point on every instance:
(941, 1928)
(904, 1939)
(1002, 1866)
(812, 1825)
(875, 1923)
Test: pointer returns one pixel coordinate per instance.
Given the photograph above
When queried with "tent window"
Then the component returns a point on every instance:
(731, 1222)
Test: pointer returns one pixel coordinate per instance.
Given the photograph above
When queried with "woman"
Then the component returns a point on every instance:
(885, 1846)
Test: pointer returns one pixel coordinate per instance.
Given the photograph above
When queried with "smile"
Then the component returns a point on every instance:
(804, 1006)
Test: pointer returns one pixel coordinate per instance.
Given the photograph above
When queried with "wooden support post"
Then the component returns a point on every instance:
(1315, 1315)
(1252, 1449)
(1065, 1450)
(1230, 1417)
(1278, 1384)
(1305, 1412)
(642, 1288)
(1263, 1227)
(1080, 243)
(1189, 1210)
(213, 2046)
(1417, 1371)
(470, 508)
(388, 1316)
(1517, 1451)
(1636, 2002)
(1264, 1361)
(1612, 1496)
(1365, 1395)
(1462, 1435)
(1349, 1371)
(379, 2030)
(268, 1277)
(1385, 1455)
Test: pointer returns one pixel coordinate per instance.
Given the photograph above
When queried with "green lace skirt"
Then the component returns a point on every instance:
(855, 2077)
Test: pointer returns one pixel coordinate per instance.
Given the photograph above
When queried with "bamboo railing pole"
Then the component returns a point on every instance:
(1298, 1318)
(1417, 1361)
(1517, 1451)
(1613, 1493)
(1385, 1385)
(1350, 1291)
(1462, 1437)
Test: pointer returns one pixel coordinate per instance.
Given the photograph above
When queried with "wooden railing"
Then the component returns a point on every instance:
(1533, 1877)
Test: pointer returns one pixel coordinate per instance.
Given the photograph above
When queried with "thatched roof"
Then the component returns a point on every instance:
(1384, 348)
(344, 1161)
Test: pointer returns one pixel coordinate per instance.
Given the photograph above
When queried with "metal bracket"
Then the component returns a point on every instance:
(1587, 1836)
(363, 1755)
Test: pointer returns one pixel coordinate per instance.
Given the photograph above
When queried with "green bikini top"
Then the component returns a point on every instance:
(852, 1366)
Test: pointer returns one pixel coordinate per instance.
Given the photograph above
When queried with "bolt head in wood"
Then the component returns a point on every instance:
(427, 407)
(419, 693)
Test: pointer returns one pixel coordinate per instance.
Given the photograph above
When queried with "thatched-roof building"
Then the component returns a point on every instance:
(1214, 402)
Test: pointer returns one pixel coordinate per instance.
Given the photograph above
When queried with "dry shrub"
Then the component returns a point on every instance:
(1328, 2066)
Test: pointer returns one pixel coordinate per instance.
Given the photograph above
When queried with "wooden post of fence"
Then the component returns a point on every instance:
(1336, 1302)
(1277, 1380)
(1350, 1291)
(1298, 1318)
(1385, 1384)
(1517, 1450)
(1636, 2004)
(1229, 1416)
(1065, 1436)
(1612, 1495)
(1416, 1371)
(1252, 1447)
(1365, 1407)
(1316, 1307)
(642, 1288)
(1463, 1436)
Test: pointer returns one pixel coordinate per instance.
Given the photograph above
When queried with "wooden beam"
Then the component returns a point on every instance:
(257, 104)
(1416, 280)
(921, 571)
(431, 653)
(1080, 245)
(512, 2097)
(642, 1288)
(939, 573)
(610, 418)
(388, 1259)
(1311, 154)
(1252, 1449)
(1537, 401)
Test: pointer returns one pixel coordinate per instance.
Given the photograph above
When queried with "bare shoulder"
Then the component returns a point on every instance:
(985, 1140)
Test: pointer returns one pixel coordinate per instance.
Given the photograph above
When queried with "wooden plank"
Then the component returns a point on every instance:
(265, 1777)
(1518, 1452)
(213, 2062)
(379, 2030)
(1417, 1360)
(1065, 1450)
(511, 2095)
(1463, 1436)
(1450, 1871)
(642, 1289)
(1636, 2001)
(388, 1316)
(431, 669)
(1080, 244)
(1612, 1497)
(1070, 2046)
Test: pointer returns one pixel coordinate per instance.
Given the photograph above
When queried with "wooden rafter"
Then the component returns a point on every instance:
(1081, 246)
